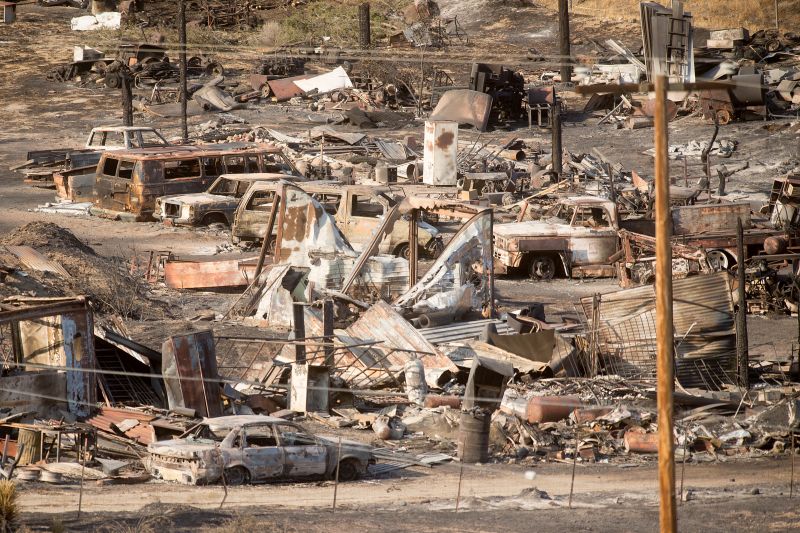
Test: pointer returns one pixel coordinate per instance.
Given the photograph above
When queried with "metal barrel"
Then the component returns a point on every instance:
(473, 437)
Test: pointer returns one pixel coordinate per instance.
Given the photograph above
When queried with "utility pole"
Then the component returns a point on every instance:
(563, 40)
(664, 327)
(663, 286)
(182, 53)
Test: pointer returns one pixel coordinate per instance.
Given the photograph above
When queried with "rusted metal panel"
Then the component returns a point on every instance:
(108, 418)
(465, 107)
(703, 316)
(381, 322)
(208, 274)
(285, 88)
(189, 366)
(60, 335)
(440, 153)
(467, 257)
(35, 260)
(712, 218)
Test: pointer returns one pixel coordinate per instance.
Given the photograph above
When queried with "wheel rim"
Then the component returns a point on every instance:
(717, 260)
(347, 470)
(235, 476)
(543, 268)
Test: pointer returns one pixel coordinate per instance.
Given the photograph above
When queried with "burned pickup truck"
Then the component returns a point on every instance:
(584, 237)
(253, 449)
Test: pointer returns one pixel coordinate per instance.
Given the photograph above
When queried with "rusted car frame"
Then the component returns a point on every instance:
(358, 212)
(127, 182)
(254, 449)
(218, 204)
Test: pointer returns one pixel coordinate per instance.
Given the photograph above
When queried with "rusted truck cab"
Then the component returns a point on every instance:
(127, 182)
(357, 209)
(576, 236)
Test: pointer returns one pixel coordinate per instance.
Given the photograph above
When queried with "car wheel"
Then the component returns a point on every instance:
(543, 267)
(348, 470)
(718, 260)
(403, 250)
(236, 475)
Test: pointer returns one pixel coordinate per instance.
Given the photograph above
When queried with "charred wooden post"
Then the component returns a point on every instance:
(742, 353)
(563, 40)
(364, 39)
(182, 54)
(555, 119)
(413, 247)
(327, 331)
(127, 97)
(299, 325)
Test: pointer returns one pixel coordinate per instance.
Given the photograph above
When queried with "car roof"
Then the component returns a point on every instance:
(124, 128)
(233, 421)
(335, 187)
(260, 176)
(583, 200)
(159, 153)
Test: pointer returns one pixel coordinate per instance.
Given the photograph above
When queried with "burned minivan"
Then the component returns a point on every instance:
(127, 182)
(254, 449)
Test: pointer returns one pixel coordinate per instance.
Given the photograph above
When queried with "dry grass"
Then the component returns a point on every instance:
(711, 14)
(9, 506)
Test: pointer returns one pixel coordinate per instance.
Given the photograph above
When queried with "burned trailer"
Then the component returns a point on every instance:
(127, 182)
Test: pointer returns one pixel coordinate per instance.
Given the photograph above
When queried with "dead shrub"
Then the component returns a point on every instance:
(9, 506)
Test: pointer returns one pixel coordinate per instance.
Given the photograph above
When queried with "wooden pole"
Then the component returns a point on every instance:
(182, 56)
(327, 332)
(336, 483)
(741, 314)
(83, 470)
(664, 329)
(413, 247)
(364, 39)
(460, 477)
(563, 40)
(777, 25)
(574, 466)
(558, 155)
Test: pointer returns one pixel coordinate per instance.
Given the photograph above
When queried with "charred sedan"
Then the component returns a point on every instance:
(254, 449)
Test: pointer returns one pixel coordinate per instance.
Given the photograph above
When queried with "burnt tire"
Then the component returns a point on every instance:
(542, 267)
(349, 470)
(236, 475)
(403, 250)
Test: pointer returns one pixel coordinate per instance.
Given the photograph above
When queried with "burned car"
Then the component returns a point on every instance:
(254, 449)
(218, 204)
(357, 209)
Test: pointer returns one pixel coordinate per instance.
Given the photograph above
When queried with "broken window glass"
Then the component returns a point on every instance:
(212, 166)
(223, 186)
(188, 168)
(366, 206)
(294, 436)
(259, 436)
(110, 166)
(591, 217)
(234, 164)
(126, 169)
(151, 138)
(261, 201)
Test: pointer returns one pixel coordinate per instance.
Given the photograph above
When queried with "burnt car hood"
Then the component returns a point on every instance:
(186, 448)
(200, 199)
(350, 445)
(541, 228)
